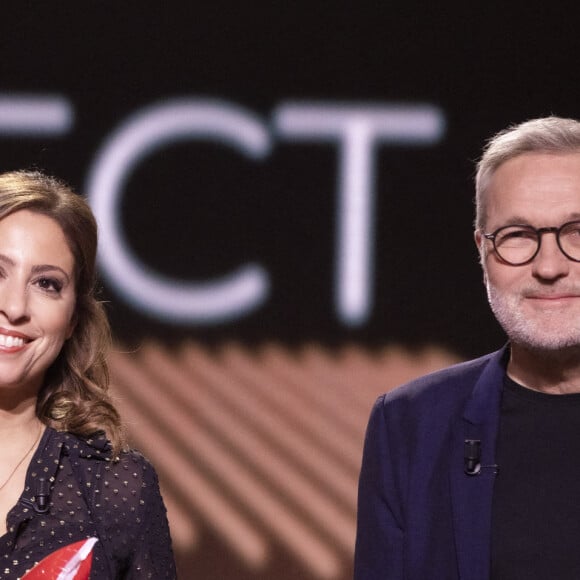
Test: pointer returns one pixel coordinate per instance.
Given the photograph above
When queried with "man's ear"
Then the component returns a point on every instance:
(479, 242)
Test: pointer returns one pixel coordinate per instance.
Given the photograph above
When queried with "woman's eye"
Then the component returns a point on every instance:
(50, 285)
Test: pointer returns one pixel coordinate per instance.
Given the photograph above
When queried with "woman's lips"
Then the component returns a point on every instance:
(10, 339)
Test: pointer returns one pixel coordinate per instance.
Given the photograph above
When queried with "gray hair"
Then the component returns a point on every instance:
(546, 135)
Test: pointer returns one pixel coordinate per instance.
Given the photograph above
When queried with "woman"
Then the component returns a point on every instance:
(65, 472)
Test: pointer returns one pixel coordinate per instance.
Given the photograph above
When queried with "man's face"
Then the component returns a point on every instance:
(537, 304)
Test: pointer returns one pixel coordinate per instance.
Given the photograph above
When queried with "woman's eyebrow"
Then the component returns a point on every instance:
(44, 268)
(37, 269)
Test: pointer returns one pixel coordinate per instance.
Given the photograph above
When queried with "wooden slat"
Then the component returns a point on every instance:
(263, 445)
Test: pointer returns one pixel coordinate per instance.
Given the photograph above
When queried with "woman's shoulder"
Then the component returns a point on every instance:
(133, 464)
(94, 455)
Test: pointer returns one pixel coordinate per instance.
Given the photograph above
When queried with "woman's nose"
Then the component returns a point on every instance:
(14, 301)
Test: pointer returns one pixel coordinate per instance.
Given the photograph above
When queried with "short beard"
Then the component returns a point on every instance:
(541, 335)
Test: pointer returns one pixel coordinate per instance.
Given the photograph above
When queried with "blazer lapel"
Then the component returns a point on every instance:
(472, 494)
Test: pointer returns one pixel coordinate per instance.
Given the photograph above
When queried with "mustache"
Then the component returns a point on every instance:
(535, 290)
(547, 292)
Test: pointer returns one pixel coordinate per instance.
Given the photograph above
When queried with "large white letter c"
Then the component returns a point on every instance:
(142, 134)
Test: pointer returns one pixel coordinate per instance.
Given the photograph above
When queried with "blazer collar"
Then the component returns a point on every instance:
(472, 494)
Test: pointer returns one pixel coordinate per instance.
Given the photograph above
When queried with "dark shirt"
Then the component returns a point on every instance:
(536, 501)
(87, 494)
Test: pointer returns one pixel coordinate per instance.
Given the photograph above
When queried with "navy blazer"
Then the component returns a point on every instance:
(420, 516)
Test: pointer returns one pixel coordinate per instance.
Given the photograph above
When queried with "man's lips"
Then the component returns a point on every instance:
(553, 298)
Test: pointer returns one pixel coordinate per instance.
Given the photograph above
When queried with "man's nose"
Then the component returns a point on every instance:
(550, 263)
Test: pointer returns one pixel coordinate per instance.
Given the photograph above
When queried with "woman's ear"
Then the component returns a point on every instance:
(72, 325)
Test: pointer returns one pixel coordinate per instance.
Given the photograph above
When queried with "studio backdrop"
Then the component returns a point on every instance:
(285, 203)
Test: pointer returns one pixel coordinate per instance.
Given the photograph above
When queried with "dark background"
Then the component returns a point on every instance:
(196, 209)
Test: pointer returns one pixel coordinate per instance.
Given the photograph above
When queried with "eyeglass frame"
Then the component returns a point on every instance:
(539, 232)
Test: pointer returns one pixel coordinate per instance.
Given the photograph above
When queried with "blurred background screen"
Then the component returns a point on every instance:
(284, 195)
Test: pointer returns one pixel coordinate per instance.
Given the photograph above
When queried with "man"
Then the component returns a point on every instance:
(473, 472)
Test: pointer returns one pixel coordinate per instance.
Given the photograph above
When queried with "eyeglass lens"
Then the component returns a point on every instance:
(519, 244)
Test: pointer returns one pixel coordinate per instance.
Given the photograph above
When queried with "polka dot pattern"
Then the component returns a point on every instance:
(75, 490)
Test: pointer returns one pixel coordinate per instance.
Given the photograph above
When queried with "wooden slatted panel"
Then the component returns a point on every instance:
(261, 446)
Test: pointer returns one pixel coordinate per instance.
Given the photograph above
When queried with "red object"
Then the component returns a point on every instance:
(73, 562)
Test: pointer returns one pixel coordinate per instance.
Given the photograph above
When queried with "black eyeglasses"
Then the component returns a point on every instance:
(518, 245)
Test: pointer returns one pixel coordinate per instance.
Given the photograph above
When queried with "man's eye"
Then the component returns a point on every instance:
(515, 236)
(573, 232)
(521, 234)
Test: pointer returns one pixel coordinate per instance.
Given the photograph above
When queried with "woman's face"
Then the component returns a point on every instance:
(37, 298)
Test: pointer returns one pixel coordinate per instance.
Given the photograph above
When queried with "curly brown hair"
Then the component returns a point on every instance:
(75, 393)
